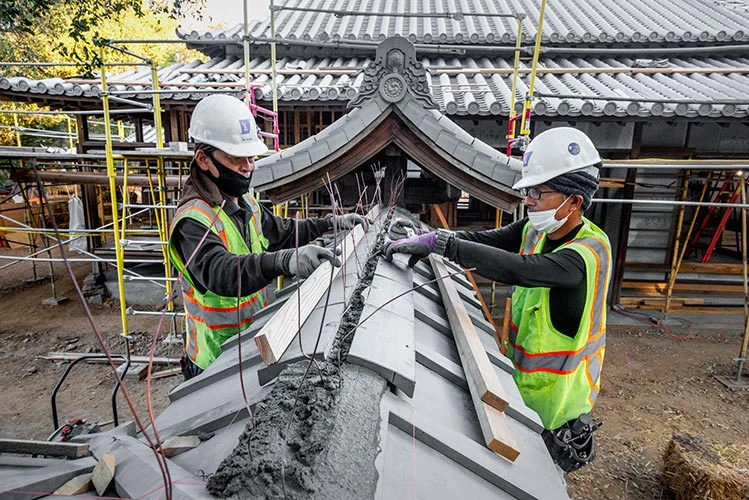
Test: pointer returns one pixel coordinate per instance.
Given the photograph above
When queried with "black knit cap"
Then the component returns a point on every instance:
(579, 182)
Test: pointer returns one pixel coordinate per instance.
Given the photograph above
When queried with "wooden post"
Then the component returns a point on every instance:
(675, 260)
(479, 296)
(744, 254)
(483, 384)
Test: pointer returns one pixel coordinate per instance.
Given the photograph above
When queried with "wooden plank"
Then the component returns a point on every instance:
(688, 267)
(48, 476)
(166, 373)
(479, 296)
(72, 356)
(274, 338)
(706, 287)
(46, 448)
(103, 473)
(76, 486)
(479, 371)
(179, 444)
(486, 392)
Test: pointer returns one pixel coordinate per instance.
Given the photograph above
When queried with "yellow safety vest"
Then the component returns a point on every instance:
(210, 318)
(559, 376)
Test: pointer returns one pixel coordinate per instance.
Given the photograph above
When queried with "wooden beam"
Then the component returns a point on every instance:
(688, 267)
(479, 370)
(483, 384)
(624, 222)
(46, 448)
(179, 444)
(274, 338)
(71, 356)
(76, 486)
(704, 287)
(103, 473)
(499, 336)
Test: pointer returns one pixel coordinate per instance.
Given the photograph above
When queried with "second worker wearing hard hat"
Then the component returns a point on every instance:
(226, 245)
(560, 265)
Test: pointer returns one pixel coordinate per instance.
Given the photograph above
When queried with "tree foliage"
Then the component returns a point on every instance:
(72, 32)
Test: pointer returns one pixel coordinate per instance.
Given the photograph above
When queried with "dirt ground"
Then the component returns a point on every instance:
(653, 386)
(29, 329)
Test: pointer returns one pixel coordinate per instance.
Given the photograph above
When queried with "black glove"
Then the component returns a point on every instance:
(309, 258)
(417, 247)
(403, 228)
(348, 221)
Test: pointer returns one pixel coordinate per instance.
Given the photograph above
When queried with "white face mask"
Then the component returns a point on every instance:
(545, 221)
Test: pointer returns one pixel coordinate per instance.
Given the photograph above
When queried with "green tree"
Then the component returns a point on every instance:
(67, 32)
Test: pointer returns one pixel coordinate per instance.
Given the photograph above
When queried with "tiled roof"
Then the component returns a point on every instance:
(566, 21)
(701, 87)
(395, 89)
(404, 410)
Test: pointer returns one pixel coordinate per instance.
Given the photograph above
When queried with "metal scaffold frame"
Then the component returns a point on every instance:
(118, 165)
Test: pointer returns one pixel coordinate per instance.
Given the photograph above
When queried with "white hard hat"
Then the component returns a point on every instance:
(555, 152)
(225, 123)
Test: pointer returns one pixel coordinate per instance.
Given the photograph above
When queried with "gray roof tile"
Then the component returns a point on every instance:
(594, 92)
(428, 416)
(566, 22)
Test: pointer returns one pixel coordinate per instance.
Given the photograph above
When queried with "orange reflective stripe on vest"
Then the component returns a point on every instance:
(211, 318)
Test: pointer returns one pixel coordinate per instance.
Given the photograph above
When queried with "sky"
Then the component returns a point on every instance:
(230, 12)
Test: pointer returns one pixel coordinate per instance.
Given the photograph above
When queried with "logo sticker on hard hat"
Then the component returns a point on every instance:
(527, 158)
(245, 126)
(574, 148)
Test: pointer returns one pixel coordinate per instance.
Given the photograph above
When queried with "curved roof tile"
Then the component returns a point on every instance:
(566, 22)
(710, 86)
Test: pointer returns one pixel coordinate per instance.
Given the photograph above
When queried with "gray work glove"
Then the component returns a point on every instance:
(348, 221)
(404, 228)
(309, 257)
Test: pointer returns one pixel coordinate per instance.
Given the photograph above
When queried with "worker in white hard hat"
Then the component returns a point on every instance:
(560, 265)
(226, 246)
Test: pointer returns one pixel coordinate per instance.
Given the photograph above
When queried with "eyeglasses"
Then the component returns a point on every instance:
(534, 193)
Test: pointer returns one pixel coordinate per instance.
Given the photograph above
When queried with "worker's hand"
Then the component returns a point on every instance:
(348, 221)
(403, 228)
(417, 247)
(309, 257)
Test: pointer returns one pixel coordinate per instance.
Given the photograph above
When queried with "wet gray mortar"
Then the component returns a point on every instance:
(329, 449)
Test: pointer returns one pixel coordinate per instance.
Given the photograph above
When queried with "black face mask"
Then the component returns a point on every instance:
(229, 181)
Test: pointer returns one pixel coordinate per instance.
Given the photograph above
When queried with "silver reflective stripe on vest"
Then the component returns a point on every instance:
(594, 371)
(530, 241)
(599, 300)
(255, 211)
(560, 361)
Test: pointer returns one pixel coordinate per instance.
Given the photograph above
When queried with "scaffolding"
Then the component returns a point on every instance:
(159, 171)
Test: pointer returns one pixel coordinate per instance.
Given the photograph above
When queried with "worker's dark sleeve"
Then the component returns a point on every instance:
(281, 234)
(508, 237)
(563, 269)
(215, 268)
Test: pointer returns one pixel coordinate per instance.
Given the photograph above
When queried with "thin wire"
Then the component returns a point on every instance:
(162, 465)
(239, 356)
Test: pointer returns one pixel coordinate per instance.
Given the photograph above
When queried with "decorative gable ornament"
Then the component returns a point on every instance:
(394, 73)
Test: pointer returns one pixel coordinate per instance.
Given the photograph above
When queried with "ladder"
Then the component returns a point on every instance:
(716, 218)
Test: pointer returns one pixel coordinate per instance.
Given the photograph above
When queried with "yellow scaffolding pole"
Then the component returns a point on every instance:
(524, 126)
(162, 222)
(515, 72)
(119, 253)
